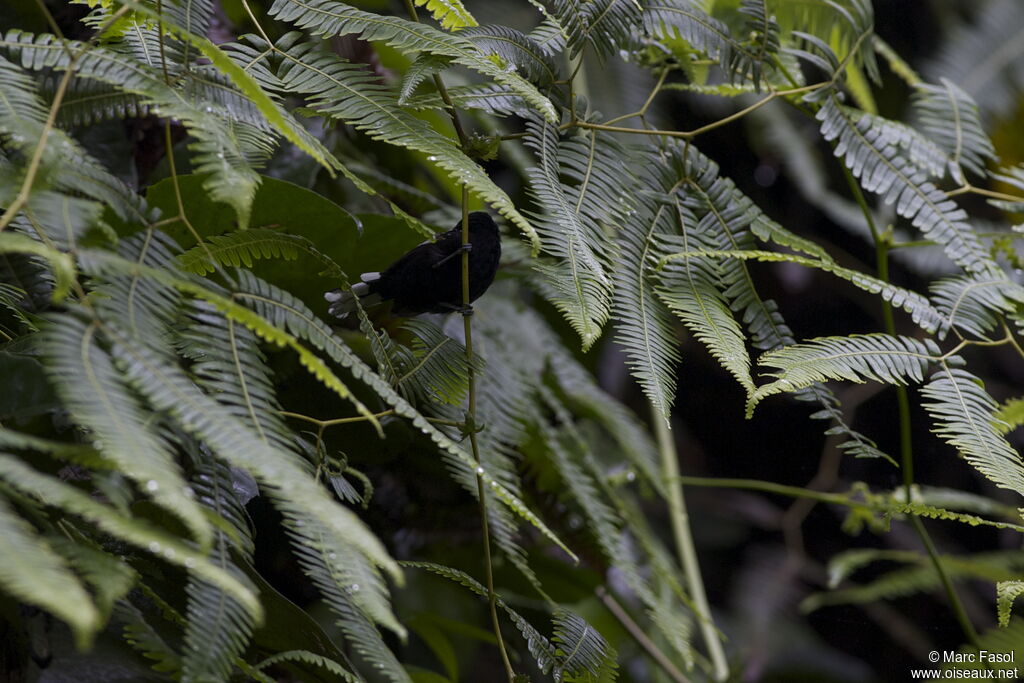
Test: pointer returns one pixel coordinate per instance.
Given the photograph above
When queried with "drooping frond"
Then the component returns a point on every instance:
(856, 358)
(604, 25)
(690, 288)
(975, 304)
(244, 247)
(876, 160)
(351, 93)
(643, 324)
(306, 657)
(574, 216)
(949, 118)
(135, 532)
(33, 573)
(963, 414)
(488, 97)
(540, 647)
(115, 420)
(327, 17)
(218, 627)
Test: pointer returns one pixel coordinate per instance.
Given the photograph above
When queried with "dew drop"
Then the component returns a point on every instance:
(190, 562)
(354, 588)
(332, 556)
(154, 547)
(151, 485)
(480, 471)
(170, 554)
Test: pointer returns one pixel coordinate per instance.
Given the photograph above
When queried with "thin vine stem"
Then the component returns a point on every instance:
(903, 411)
(684, 544)
(470, 422)
(634, 630)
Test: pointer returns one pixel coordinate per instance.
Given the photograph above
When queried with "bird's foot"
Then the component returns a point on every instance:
(465, 247)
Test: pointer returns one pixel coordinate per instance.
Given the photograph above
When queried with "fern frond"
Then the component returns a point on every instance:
(875, 159)
(451, 14)
(845, 24)
(285, 311)
(515, 49)
(572, 225)
(856, 358)
(62, 265)
(583, 653)
(540, 647)
(488, 97)
(688, 20)
(352, 94)
(920, 310)
(218, 627)
(245, 247)
(99, 401)
(33, 573)
(604, 25)
(306, 657)
(643, 324)
(975, 304)
(328, 17)
(132, 531)
(216, 148)
(963, 415)
(690, 289)
(949, 117)
(1006, 593)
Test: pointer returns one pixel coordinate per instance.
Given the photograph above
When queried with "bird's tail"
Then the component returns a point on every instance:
(342, 301)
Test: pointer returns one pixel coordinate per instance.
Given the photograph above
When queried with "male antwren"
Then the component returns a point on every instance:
(428, 279)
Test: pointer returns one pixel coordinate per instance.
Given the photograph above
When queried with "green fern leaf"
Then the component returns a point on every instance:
(606, 26)
(975, 304)
(963, 414)
(643, 323)
(33, 573)
(133, 531)
(1006, 593)
(307, 657)
(99, 401)
(572, 223)
(877, 162)
(584, 655)
(948, 116)
(857, 358)
(516, 49)
(351, 93)
(920, 310)
(1010, 415)
(285, 311)
(328, 17)
(451, 14)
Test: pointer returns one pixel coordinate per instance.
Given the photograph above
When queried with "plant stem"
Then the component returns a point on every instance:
(684, 544)
(619, 612)
(903, 409)
(467, 326)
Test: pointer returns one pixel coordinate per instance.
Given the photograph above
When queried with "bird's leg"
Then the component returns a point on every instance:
(468, 246)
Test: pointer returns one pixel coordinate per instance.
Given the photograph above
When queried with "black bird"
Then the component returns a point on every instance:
(428, 278)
